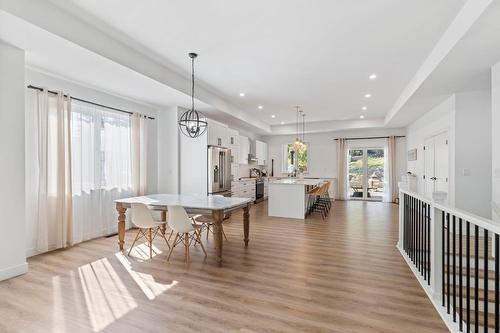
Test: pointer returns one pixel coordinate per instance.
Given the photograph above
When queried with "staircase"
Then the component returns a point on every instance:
(484, 319)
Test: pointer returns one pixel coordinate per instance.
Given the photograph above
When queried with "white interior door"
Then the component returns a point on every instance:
(437, 164)
(441, 162)
(429, 167)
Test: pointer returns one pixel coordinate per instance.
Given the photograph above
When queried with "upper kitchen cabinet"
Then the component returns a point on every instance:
(218, 134)
(261, 152)
(234, 145)
(233, 137)
(244, 149)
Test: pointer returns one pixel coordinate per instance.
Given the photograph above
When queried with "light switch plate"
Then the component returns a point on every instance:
(466, 172)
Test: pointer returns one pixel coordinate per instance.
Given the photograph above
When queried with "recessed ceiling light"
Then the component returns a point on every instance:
(368, 95)
(364, 108)
(242, 94)
(362, 117)
(260, 107)
(373, 76)
(282, 123)
(273, 116)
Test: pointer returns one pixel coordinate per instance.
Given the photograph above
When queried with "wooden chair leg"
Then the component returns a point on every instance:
(173, 245)
(150, 244)
(162, 233)
(186, 243)
(171, 233)
(198, 239)
(223, 233)
(135, 240)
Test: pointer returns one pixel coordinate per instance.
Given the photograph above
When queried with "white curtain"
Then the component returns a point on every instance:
(52, 202)
(342, 151)
(101, 163)
(390, 174)
(139, 153)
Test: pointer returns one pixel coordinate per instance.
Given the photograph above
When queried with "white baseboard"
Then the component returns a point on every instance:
(13, 271)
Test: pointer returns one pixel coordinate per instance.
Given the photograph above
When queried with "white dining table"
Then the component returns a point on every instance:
(216, 206)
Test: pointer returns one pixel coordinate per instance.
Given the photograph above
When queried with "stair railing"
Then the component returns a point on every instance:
(455, 257)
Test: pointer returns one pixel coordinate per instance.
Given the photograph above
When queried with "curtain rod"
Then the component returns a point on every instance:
(86, 101)
(374, 137)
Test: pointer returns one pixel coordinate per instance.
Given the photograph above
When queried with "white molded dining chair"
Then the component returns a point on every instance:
(207, 223)
(186, 232)
(148, 228)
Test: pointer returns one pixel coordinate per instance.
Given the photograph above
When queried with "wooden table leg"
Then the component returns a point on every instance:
(121, 224)
(163, 227)
(246, 223)
(217, 216)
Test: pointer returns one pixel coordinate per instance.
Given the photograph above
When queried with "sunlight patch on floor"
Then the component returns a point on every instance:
(141, 251)
(106, 296)
(146, 282)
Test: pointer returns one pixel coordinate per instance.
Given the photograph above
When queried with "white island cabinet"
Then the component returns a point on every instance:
(288, 197)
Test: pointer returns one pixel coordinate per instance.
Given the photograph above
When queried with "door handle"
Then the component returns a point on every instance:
(433, 178)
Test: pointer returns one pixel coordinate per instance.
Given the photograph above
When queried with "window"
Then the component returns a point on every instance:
(101, 168)
(101, 152)
(295, 159)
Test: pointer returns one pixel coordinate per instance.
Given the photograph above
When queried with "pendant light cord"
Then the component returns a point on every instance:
(192, 83)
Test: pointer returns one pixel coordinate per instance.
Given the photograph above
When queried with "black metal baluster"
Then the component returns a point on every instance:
(497, 293)
(422, 240)
(485, 311)
(429, 244)
(460, 293)
(404, 221)
(442, 258)
(419, 236)
(467, 281)
(416, 231)
(476, 278)
(425, 249)
(448, 262)
(454, 271)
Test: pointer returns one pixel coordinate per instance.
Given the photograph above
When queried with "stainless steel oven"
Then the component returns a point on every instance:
(259, 190)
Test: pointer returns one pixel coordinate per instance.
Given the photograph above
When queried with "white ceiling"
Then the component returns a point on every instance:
(317, 54)
(467, 67)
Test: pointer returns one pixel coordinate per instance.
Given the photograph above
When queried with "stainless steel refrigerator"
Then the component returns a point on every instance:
(219, 171)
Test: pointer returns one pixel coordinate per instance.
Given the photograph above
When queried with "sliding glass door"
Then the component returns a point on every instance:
(366, 173)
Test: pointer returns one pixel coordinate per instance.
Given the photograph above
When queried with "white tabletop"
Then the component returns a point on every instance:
(297, 181)
(193, 201)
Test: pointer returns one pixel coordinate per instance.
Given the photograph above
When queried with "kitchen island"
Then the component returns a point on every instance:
(288, 197)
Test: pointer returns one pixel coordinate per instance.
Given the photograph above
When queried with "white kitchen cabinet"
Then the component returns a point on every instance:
(233, 137)
(244, 149)
(218, 134)
(261, 152)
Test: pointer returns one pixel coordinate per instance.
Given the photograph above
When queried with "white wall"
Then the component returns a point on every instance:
(168, 151)
(473, 152)
(495, 139)
(12, 192)
(466, 116)
(439, 119)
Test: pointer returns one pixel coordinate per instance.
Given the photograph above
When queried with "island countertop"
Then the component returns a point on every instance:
(296, 181)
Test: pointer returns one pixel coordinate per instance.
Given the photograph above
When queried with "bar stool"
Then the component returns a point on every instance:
(322, 202)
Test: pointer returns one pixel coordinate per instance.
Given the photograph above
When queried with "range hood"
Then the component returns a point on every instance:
(252, 158)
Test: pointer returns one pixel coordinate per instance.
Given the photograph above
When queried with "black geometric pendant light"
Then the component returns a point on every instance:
(192, 123)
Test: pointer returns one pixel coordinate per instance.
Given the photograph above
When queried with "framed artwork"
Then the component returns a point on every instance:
(412, 154)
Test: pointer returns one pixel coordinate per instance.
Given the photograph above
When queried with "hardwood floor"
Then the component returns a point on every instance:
(339, 275)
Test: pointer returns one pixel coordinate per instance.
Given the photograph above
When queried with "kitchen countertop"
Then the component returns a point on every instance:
(296, 181)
